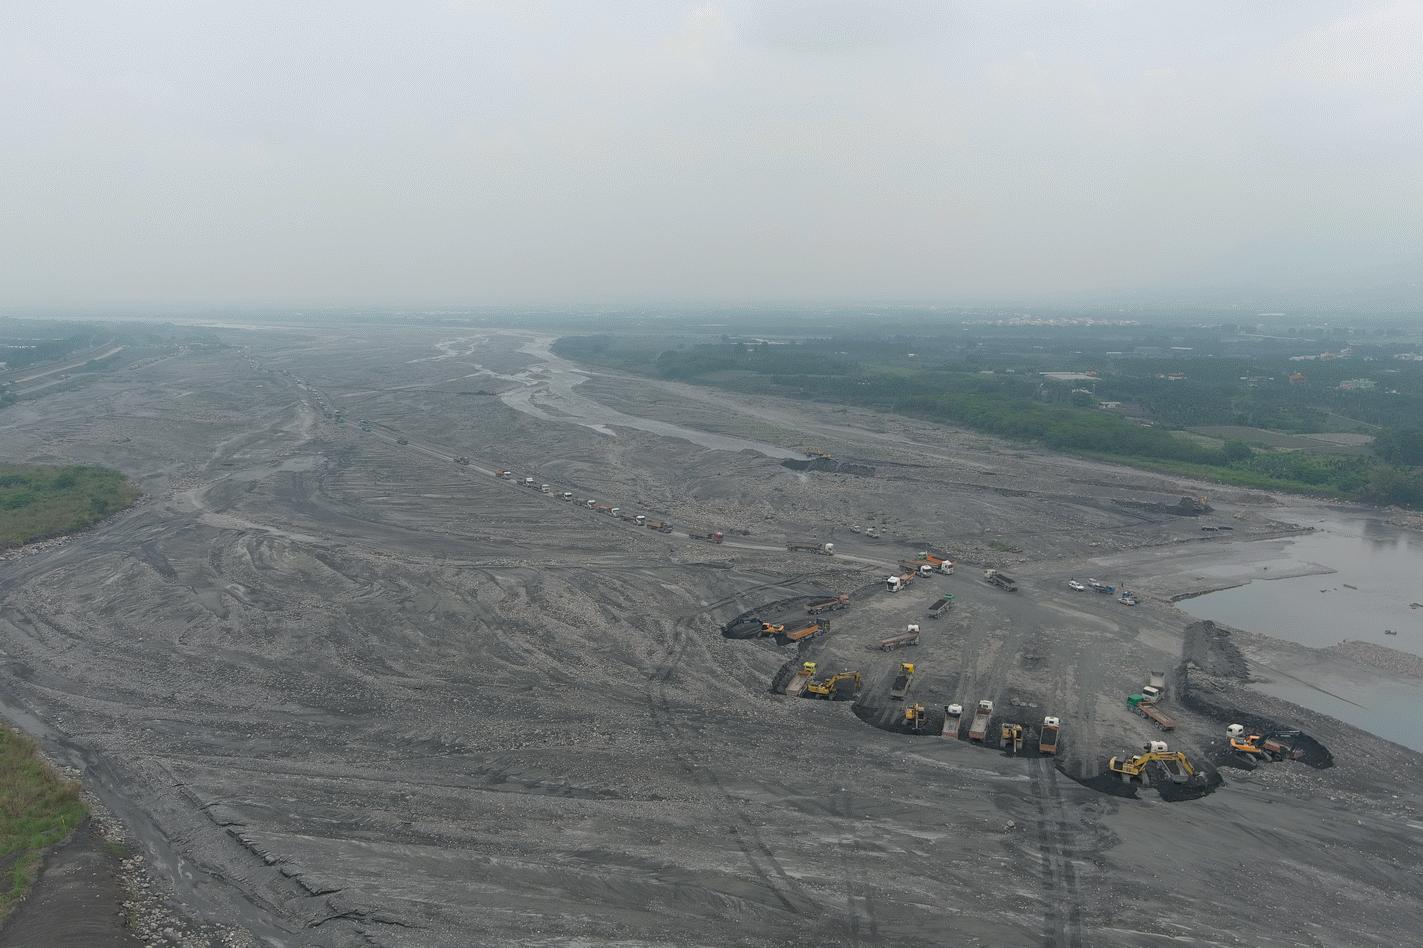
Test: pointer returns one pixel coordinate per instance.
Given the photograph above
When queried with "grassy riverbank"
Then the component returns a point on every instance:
(38, 501)
(37, 810)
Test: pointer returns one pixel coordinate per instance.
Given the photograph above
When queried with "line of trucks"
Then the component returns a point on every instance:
(639, 520)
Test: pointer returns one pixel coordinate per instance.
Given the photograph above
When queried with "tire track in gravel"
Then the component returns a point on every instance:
(861, 924)
(1063, 908)
(758, 855)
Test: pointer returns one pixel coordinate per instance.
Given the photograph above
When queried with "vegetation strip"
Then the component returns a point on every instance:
(42, 501)
(38, 809)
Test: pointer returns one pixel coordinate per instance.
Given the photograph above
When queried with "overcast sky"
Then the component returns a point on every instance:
(490, 151)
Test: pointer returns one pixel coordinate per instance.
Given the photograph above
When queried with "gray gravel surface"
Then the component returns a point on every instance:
(342, 691)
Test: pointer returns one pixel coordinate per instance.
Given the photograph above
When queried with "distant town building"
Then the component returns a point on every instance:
(1357, 383)
(1109, 405)
(1298, 379)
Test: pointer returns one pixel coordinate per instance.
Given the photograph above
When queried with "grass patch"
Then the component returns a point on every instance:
(37, 810)
(1274, 439)
(38, 501)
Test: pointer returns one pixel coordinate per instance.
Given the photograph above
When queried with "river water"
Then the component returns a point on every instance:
(1365, 576)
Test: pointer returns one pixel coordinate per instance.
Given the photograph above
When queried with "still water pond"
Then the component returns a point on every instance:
(1378, 575)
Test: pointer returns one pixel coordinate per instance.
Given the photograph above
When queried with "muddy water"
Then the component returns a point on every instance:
(1377, 573)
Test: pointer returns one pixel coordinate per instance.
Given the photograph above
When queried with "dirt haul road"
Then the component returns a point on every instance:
(344, 691)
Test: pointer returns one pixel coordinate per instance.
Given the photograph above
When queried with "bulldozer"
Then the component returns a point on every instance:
(914, 717)
(1272, 745)
(830, 688)
(1134, 769)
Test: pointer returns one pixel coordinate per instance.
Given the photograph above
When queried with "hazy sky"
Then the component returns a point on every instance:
(488, 151)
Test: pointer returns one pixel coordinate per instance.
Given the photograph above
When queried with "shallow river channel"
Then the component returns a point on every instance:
(1363, 578)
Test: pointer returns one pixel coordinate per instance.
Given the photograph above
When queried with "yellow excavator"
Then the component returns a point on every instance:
(831, 687)
(914, 717)
(1272, 745)
(1012, 738)
(1174, 763)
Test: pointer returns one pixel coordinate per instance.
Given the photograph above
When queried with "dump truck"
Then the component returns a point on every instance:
(659, 526)
(895, 583)
(1001, 580)
(635, 519)
(828, 605)
(801, 679)
(808, 632)
(545, 489)
(910, 636)
(978, 729)
(842, 686)
(922, 569)
(498, 471)
(933, 559)
(1047, 737)
(1155, 692)
(604, 508)
(530, 483)
(953, 713)
(941, 605)
(810, 546)
(1151, 712)
(900, 688)
(1177, 768)
(566, 495)
(711, 536)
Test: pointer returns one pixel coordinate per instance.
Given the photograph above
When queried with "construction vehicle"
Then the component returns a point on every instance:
(895, 583)
(1155, 692)
(872, 533)
(1272, 745)
(1047, 737)
(1177, 768)
(923, 569)
(978, 729)
(810, 546)
(498, 471)
(801, 679)
(461, 460)
(1012, 738)
(566, 495)
(808, 632)
(659, 526)
(828, 605)
(403, 441)
(635, 519)
(941, 605)
(1001, 580)
(604, 508)
(711, 536)
(914, 717)
(952, 715)
(900, 688)
(842, 686)
(910, 636)
(545, 489)
(1151, 712)
(365, 427)
(768, 628)
(529, 483)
